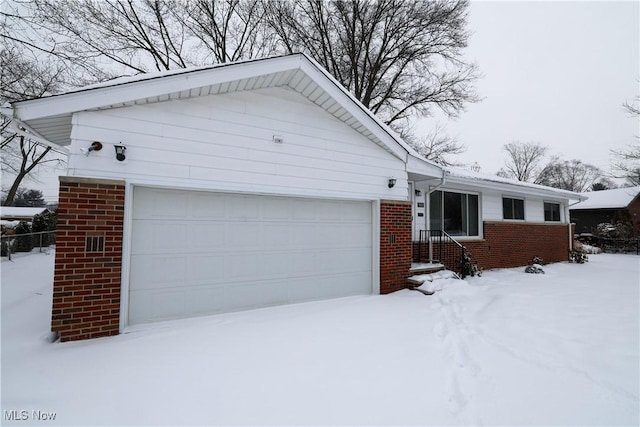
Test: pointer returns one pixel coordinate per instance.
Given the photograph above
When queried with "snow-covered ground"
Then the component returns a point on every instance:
(508, 348)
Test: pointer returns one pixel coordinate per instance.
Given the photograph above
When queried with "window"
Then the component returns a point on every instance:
(512, 208)
(455, 213)
(551, 211)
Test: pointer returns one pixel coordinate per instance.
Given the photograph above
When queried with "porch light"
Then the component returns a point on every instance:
(418, 192)
(120, 150)
(392, 182)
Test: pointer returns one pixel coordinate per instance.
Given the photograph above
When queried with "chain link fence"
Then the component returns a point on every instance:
(26, 242)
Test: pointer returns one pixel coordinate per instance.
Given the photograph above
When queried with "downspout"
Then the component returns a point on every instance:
(442, 182)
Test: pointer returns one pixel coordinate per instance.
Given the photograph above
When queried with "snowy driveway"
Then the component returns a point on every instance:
(508, 348)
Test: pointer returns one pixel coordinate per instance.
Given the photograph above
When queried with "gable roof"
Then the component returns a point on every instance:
(617, 198)
(50, 117)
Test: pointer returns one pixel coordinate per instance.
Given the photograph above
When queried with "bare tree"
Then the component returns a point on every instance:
(110, 37)
(230, 30)
(23, 75)
(627, 161)
(524, 159)
(437, 146)
(398, 58)
(571, 175)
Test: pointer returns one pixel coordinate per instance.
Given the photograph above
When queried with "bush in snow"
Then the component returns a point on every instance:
(24, 243)
(469, 268)
(589, 249)
(537, 260)
(578, 255)
(534, 269)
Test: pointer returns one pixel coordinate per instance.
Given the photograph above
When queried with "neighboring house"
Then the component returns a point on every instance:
(10, 216)
(607, 206)
(254, 184)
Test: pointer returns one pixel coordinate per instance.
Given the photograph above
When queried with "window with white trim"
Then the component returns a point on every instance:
(455, 213)
(512, 208)
(552, 211)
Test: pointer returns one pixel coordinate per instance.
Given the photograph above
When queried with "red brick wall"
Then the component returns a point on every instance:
(395, 245)
(86, 288)
(514, 244)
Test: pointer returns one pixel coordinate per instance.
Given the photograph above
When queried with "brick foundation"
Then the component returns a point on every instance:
(513, 244)
(86, 288)
(395, 245)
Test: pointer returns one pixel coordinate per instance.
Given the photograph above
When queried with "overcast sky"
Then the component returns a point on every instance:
(554, 72)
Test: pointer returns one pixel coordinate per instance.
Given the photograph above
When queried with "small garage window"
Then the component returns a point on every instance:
(551, 211)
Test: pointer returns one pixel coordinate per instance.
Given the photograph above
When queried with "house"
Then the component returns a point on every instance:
(10, 216)
(607, 206)
(253, 184)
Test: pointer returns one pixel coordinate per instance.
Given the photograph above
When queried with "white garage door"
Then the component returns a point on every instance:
(196, 253)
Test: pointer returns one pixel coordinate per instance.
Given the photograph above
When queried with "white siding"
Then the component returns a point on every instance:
(533, 206)
(226, 141)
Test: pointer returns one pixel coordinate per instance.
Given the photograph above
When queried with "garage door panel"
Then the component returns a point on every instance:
(275, 210)
(207, 206)
(241, 266)
(209, 235)
(240, 235)
(156, 203)
(304, 210)
(232, 252)
(276, 236)
(157, 272)
(159, 237)
(355, 212)
(242, 207)
(205, 268)
(275, 265)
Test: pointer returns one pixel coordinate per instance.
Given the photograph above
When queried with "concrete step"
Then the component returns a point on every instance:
(425, 267)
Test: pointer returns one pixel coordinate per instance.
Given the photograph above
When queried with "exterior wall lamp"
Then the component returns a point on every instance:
(120, 150)
(392, 182)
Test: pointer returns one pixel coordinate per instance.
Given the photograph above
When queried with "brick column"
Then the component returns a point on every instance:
(395, 245)
(86, 287)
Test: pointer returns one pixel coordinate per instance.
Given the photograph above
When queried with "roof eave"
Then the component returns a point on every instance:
(517, 188)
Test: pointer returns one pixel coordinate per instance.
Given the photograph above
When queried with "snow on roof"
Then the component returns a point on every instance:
(470, 176)
(609, 199)
(20, 212)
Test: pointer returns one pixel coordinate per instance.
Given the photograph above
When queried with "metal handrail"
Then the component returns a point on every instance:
(451, 253)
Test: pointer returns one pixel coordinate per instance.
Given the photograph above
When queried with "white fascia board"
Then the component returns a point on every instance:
(349, 102)
(126, 92)
(423, 167)
(516, 188)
